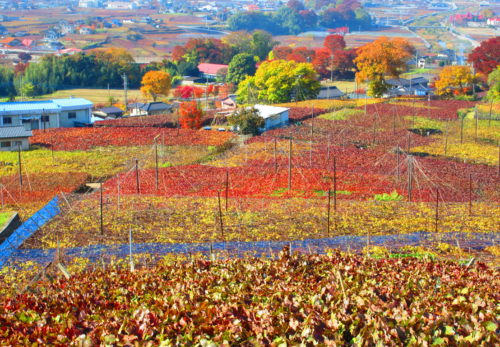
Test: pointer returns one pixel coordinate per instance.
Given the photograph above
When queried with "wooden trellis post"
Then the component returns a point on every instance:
(137, 176)
(290, 164)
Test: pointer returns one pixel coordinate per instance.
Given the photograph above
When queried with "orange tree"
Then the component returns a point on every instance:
(454, 80)
(380, 58)
(190, 115)
(155, 83)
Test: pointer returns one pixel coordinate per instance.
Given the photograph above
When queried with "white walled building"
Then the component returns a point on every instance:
(57, 113)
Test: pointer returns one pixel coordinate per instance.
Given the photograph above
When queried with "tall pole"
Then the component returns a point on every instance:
(410, 177)
(100, 210)
(227, 188)
(470, 194)
(20, 166)
(328, 214)
(156, 166)
(335, 184)
(408, 144)
(137, 176)
(398, 162)
(290, 164)
(275, 156)
(125, 89)
(437, 212)
(477, 121)
(220, 215)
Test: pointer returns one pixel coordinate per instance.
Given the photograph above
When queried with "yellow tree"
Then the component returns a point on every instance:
(155, 83)
(454, 80)
(380, 58)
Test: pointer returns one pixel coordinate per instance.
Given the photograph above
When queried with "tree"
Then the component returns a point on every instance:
(262, 44)
(25, 57)
(155, 83)
(190, 115)
(278, 81)
(454, 80)
(247, 120)
(486, 57)
(295, 5)
(494, 84)
(334, 43)
(382, 57)
(7, 81)
(241, 66)
(289, 21)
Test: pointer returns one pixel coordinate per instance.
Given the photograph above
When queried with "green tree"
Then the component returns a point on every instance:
(494, 83)
(262, 43)
(247, 120)
(241, 66)
(7, 81)
(280, 81)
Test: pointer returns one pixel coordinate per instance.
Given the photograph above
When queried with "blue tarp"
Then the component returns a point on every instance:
(28, 228)
(97, 252)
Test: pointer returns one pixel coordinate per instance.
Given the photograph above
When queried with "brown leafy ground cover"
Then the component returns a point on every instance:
(335, 299)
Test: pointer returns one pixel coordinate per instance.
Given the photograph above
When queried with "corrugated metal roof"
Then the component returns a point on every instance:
(28, 107)
(14, 132)
(73, 103)
(266, 111)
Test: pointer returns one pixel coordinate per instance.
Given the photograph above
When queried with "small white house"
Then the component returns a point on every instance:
(274, 117)
(13, 138)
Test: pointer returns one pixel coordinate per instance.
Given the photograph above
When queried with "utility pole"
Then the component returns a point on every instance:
(125, 87)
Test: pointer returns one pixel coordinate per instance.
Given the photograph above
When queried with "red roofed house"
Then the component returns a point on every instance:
(210, 71)
(27, 43)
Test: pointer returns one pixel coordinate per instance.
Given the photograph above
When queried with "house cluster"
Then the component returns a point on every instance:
(116, 5)
(474, 20)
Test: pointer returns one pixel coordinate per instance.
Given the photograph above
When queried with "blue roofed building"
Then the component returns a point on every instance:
(57, 113)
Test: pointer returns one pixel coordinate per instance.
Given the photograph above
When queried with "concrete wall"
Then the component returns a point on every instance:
(82, 116)
(277, 121)
(10, 226)
(14, 144)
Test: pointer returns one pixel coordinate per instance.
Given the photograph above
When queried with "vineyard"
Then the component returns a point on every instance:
(373, 173)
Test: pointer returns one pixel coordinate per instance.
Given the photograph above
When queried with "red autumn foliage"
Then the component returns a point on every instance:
(190, 115)
(486, 57)
(70, 139)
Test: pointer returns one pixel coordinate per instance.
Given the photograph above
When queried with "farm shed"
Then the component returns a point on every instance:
(274, 117)
(11, 138)
(330, 93)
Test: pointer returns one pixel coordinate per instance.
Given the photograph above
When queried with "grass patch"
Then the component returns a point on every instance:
(97, 96)
(426, 123)
(325, 192)
(343, 114)
(4, 217)
(394, 196)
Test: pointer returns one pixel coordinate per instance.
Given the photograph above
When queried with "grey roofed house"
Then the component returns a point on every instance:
(330, 93)
(403, 86)
(151, 108)
(12, 137)
(403, 82)
(111, 111)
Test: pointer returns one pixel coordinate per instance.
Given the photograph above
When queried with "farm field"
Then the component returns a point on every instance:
(407, 190)
(97, 96)
(344, 168)
(332, 299)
